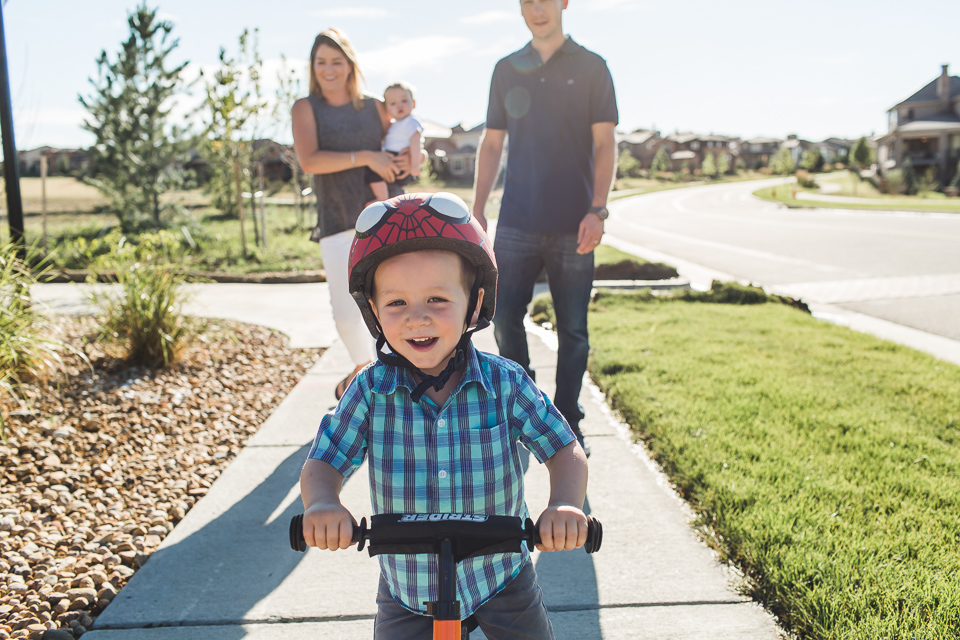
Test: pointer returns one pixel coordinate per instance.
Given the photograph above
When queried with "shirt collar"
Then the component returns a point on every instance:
(388, 377)
(569, 46)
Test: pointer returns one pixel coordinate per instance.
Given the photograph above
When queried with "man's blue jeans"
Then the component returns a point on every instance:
(521, 256)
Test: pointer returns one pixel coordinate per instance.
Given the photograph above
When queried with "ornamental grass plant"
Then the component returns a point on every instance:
(143, 312)
(27, 351)
(824, 463)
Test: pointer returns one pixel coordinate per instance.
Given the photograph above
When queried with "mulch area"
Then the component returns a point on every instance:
(103, 464)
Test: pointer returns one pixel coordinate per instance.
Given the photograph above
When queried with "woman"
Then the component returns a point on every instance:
(337, 131)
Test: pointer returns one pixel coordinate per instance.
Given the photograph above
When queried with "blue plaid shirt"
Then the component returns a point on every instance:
(460, 458)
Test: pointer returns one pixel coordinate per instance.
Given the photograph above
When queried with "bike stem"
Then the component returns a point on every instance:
(445, 610)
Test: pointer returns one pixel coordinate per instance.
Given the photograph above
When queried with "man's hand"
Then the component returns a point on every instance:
(482, 219)
(328, 525)
(589, 234)
(562, 527)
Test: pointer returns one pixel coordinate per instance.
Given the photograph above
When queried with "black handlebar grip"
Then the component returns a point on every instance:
(297, 543)
(594, 535)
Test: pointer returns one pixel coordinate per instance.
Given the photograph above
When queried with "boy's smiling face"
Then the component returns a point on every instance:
(421, 303)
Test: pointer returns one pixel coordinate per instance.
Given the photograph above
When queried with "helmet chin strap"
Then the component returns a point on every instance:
(457, 361)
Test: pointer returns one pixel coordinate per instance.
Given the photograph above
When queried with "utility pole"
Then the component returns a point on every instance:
(11, 161)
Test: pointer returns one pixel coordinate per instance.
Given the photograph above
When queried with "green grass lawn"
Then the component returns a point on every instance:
(863, 189)
(625, 187)
(288, 248)
(823, 462)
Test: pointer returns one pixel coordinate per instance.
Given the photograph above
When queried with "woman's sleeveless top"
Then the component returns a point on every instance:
(341, 196)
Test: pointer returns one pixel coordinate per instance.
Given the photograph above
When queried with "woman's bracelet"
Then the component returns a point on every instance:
(353, 160)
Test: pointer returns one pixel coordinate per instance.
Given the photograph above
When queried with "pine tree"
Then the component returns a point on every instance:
(138, 153)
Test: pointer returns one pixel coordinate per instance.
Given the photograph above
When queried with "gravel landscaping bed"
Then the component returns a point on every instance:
(103, 465)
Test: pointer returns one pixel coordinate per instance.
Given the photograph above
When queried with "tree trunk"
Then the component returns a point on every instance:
(236, 173)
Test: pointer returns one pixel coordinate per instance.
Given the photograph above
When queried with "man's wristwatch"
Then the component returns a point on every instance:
(600, 212)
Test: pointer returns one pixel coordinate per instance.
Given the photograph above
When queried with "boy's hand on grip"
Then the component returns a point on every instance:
(562, 528)
(328, 526)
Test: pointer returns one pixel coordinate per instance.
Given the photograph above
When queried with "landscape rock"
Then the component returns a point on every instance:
(98, 473)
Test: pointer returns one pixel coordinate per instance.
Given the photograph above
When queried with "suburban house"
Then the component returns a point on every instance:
(756, 152)
(59, 161)
(926, 129)
(453, 152)
(834, 149)
(689, 149)
(642, 145)
(796, 146)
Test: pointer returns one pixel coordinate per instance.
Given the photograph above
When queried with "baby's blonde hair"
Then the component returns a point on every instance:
(400, 85)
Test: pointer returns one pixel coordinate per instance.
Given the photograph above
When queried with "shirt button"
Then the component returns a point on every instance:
(441, 423)
(442, 474)
(543, 79)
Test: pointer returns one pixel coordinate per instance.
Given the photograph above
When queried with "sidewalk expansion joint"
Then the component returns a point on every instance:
(239, 622)
(643, 605)
(236, 622)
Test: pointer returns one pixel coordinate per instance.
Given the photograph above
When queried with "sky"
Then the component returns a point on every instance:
(744, 68)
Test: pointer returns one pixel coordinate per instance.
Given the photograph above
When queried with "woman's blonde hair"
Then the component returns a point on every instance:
(355, 82)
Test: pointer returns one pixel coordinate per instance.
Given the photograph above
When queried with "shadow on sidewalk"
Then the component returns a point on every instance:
(219, 573)
(569, 583)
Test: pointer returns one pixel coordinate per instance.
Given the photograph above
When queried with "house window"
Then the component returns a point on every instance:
(695, 145)
(456, 165)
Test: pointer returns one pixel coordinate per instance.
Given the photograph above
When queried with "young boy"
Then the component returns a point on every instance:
(404, 133)
(440, 422)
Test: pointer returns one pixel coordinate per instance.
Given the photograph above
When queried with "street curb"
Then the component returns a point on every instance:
(319, 275)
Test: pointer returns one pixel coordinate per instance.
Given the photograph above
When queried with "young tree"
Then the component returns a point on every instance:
(781, 163)
(138, 153)
(709, 166)
(230, 105)
(288, 92)
(627, 164)
(811, 160)
(661, 161)
(861, 157)
(723, 164)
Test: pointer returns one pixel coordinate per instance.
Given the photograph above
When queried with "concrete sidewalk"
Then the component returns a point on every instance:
(226, 571)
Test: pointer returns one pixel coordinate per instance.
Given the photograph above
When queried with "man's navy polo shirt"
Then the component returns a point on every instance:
(547, 111)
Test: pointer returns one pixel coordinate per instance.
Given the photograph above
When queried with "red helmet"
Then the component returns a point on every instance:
(417, 222)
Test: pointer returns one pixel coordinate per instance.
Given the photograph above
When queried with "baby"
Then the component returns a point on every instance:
(404, 133)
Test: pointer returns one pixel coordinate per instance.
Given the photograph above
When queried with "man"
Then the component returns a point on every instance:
(556, 101)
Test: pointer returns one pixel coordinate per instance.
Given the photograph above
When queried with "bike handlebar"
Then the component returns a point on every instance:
(471, 535)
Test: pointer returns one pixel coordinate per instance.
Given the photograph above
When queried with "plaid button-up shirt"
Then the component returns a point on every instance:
(460, 458)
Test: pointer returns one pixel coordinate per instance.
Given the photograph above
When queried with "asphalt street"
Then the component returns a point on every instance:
(895, 266)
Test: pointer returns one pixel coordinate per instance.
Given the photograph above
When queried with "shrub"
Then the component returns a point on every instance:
(146, 316)
(541, 311)
(804, 179)
(27, 354)
(893, 183)
(782, 162)
(928, 181)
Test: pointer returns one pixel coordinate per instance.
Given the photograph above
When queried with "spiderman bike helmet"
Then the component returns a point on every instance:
(421, 222)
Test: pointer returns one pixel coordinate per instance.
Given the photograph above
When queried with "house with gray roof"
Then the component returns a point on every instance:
(926, 129)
